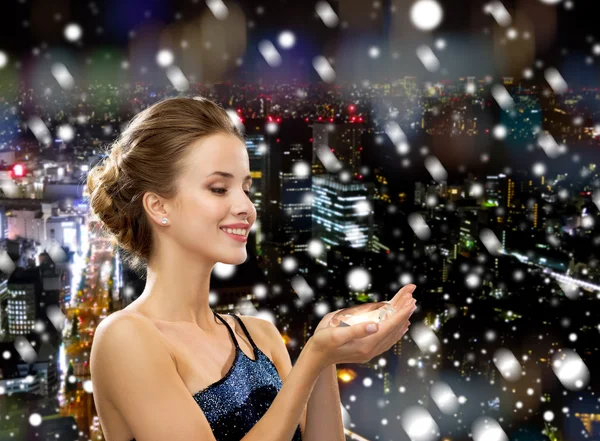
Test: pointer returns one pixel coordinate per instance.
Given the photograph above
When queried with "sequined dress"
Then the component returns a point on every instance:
(235, 403)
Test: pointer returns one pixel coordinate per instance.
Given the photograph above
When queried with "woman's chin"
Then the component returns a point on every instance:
(241, 258)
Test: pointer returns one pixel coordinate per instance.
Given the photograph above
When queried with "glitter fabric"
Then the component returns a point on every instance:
(235, 403)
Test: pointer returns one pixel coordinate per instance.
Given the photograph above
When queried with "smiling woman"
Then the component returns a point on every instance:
(173, 193)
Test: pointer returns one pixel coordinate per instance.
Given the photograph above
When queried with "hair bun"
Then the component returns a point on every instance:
(102, 185)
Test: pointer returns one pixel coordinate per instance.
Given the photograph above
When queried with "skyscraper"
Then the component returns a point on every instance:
(338, 215)
(344, 140)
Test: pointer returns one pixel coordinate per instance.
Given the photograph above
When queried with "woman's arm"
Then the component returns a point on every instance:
(281, 419)
(325, 420)
(324, 415)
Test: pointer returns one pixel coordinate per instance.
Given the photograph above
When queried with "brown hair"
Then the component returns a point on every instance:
(149, 156)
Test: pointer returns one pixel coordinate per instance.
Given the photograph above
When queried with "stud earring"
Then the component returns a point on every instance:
(164, 220)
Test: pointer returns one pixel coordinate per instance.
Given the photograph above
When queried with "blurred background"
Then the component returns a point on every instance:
(449, 144)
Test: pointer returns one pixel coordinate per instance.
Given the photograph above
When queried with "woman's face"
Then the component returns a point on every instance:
(209, 200)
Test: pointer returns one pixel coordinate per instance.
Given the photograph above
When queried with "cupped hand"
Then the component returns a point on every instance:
(354, 344)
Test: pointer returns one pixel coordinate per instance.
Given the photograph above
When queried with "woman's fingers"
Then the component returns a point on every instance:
(400, 297)
(402, 314)
(395, 326)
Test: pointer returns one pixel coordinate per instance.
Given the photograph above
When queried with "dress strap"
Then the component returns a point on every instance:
(239, 320)
(229, 329)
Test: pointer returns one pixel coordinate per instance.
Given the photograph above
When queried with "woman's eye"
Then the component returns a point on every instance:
(224, 190)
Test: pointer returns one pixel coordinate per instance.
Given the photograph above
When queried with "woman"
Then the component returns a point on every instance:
(173, 193)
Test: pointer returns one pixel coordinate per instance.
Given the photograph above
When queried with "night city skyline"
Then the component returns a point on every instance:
(460, 154)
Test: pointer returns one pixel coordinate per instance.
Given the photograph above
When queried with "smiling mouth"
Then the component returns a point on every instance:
(236, 237)
(236, 234)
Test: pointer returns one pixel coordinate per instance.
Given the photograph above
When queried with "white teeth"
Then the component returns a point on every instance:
(236, 231)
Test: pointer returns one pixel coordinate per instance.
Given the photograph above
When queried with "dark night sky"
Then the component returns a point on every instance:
(118, 17)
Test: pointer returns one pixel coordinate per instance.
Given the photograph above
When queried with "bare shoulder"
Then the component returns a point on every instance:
(134, 375)
(116, 333)
(268, 335)
(120, 316)
(119, 323)
(253, 321)
(262, 327)
(123, 341)
(119, 319)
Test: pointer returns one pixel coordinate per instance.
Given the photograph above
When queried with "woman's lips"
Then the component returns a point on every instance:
(236, 236)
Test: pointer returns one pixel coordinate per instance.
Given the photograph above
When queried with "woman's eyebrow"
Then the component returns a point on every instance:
(228, 175)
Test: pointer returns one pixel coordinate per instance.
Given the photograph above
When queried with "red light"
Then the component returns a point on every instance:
(310, 140)
(359, 176)
(333, 150)
(353, 118)
(18, 170)
(360, 149)
(278, 119)
(278, 139)
(330, 119)
(360, 119)
(241, 119)
(239, 110)
(306, 119)
(320, 118)
(351, 108)
(270, 119)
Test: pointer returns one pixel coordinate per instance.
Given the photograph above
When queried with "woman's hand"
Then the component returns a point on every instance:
(354, 344)
(324, 323)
